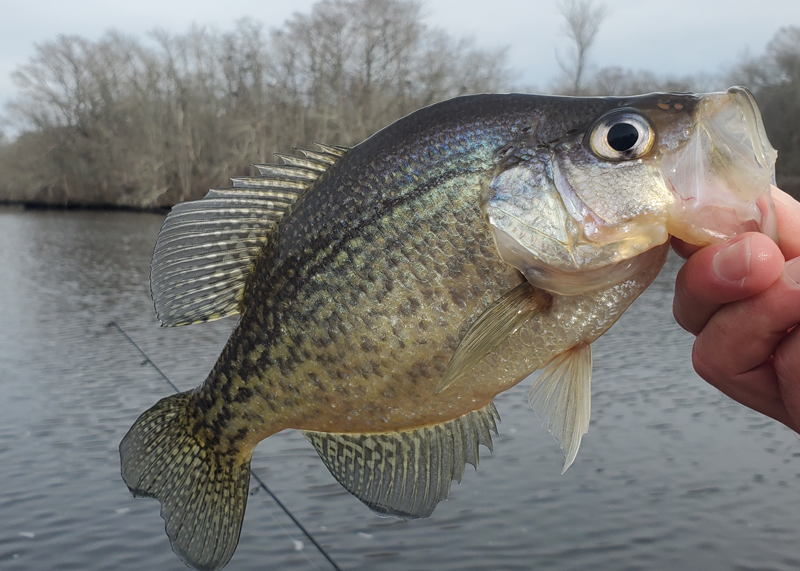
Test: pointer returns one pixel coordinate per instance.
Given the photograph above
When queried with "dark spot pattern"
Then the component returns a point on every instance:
(378, 270)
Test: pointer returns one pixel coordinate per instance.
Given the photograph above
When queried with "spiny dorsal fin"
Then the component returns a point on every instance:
(493, 327)
(294, 161)
(562, 396)
(284, 183)
(322, 157)
(207, 247)
(334, 150)
(288, 172)
(406, 473)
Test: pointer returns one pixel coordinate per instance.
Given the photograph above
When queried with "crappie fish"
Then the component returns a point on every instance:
(389, 291)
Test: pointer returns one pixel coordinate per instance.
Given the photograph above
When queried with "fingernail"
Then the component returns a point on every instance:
(779, 196)
(732, 263)
(792, 271)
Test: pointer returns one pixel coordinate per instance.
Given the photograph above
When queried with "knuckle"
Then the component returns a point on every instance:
(678, 314)
(704, 362)
(786, 361)
(750, 310)
(715, 355)
(686, 312)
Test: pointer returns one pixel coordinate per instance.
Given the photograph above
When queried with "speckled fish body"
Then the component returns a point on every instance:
(383, 265)
(390, 291)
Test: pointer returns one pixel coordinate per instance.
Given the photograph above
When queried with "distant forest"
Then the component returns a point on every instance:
(123, 122)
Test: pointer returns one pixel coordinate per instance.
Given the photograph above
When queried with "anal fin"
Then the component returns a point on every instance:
(406, 473)
(561, 398)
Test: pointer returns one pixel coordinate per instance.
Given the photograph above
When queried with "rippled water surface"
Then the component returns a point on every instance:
(672, 475)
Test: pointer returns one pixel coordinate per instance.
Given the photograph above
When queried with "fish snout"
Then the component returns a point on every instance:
(722, 176)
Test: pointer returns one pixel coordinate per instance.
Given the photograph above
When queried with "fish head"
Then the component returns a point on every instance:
(592, 207)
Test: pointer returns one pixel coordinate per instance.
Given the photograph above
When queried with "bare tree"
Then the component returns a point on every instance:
(619, 81)
(355, 65)
(113, 122)
(582, 22)
(774, 77)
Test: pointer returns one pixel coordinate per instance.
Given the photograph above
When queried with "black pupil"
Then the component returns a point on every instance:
(622, 137)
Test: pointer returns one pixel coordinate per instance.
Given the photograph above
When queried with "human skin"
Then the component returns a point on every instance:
(741, 299)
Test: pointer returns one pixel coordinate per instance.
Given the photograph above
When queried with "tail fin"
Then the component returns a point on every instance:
(202, 493)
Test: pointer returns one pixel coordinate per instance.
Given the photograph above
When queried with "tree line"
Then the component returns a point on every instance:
(774, 78)
(123, 122)
(146, 124)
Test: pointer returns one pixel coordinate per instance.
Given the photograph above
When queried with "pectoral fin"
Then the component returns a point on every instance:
(561, 397)
(406, 473)
(492, 327)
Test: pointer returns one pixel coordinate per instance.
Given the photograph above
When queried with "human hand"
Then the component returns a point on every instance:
(742, 301)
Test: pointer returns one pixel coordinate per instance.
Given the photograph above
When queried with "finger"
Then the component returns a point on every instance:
(683, 249)
(741, 337)
(772, 388)
(742, 267)
(787, 210)
(758, 389)
(787, 369)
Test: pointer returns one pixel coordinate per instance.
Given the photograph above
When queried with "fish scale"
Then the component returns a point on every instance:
(402, 284)
(340, 290)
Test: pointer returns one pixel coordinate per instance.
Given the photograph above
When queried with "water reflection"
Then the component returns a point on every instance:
(671, 475)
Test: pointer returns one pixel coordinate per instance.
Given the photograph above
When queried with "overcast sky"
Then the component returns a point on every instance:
(674, 37)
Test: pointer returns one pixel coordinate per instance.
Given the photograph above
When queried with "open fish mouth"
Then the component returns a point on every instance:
(758, 141)
(722, 176)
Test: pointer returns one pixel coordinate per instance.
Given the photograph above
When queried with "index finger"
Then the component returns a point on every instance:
(744, 266)
(787, 211)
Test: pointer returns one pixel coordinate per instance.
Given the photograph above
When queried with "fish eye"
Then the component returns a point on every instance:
(622, 136)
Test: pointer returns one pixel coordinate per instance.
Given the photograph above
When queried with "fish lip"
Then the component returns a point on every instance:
(715, 115)
(716, 110)
(755, 124)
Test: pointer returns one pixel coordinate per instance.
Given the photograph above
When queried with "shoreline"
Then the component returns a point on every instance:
(34, 205)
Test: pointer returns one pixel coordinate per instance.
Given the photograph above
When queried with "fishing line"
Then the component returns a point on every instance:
(261, 483)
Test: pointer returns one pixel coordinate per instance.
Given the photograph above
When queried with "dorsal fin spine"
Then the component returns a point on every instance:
(306, 163)
(334, 150)
(269, 182)
(205, 255)
(288, 195)
(220, 266)
(323, 157)
(174, 236)
(289, 172)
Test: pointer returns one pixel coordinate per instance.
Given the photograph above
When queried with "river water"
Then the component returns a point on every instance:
(672, 474)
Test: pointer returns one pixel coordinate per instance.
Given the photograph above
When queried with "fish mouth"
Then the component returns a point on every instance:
(759, 143)
(722, 176)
